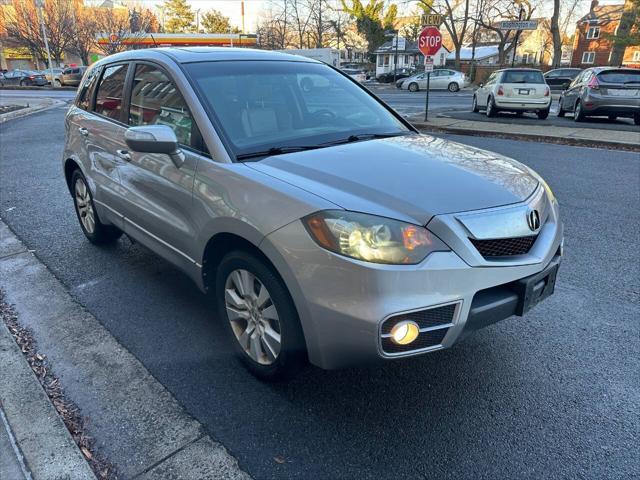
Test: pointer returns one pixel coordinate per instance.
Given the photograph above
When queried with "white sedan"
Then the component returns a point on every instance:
(440, 79)
(514, 90)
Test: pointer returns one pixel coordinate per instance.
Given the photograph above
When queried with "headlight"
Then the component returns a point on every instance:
(371, 238)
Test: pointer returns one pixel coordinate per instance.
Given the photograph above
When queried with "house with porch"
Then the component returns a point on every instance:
(409, 56)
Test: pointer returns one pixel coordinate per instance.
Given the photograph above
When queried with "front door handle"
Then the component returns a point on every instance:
(83, 131)
(124, 155)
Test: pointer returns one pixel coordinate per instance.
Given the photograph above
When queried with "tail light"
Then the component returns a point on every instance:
(31, 77)
(500, 90)
(546, 91)
(594, 83)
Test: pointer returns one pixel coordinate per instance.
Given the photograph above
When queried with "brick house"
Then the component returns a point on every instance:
(592, 45)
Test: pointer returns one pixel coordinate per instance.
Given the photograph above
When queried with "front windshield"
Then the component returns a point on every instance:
(261, 105)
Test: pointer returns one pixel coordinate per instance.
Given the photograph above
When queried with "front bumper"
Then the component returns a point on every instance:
(343, 302)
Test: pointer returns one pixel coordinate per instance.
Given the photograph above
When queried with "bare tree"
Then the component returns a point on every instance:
(22, 24)
(564, 15)
(118, 29)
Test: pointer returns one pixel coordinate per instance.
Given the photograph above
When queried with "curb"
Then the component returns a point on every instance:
(23, 112)
(572, 141)
(33, 87)
(40, 441)
(137, 424)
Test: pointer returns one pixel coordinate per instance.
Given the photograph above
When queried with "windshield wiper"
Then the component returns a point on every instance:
(367, 136)
(277, 151)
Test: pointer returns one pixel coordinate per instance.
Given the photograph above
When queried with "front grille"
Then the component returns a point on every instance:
(424, 318)
(424, 340)
(504, 247)
(428, 318)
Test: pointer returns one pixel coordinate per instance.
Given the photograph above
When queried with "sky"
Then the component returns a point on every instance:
(253, 8)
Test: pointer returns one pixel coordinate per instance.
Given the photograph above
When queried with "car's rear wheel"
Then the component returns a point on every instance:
(491, 108)
(413, 87)
(474, 105)
(613, 118)
(578, 113)
(97, 232)
(23, 83)
(453, 87)
(259, 316)
(543, 114)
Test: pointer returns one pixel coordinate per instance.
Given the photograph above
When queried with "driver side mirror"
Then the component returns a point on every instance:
(155, 139)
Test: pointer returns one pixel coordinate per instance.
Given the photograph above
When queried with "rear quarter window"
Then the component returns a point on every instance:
(619, 76)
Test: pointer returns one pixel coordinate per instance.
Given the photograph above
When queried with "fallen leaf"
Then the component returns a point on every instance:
(86, 452)
(279, 460)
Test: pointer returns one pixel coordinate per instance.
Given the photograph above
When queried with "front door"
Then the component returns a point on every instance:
(157, 194)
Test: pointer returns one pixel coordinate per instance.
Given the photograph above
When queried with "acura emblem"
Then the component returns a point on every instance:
(533, 220)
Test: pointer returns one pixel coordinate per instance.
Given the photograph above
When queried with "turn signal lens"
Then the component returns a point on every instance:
(372, 239)
(405, 332)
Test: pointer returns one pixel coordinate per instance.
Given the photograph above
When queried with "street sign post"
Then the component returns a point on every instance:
(429, 43)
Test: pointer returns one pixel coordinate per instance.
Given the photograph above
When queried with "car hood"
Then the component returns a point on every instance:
(409, 178)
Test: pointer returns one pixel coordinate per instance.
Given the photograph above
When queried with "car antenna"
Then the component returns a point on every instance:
(155, 44)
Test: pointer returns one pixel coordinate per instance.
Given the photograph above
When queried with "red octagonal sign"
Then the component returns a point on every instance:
(429, 41)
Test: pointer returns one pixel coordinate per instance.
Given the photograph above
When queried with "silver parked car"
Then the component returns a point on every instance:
(603, 91)
(322, 224)
(440, 79)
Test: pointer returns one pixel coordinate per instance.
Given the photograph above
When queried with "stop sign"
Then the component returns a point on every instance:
(429, 41)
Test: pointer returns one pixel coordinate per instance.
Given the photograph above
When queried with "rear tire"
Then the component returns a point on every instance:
(491, 108)
(265, 332)
(578, 113)
(413, 87)
(453, 87)
(97, 232)
(612, 118)
(543, 114)
(23, 83)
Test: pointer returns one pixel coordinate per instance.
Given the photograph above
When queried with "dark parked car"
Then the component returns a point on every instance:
(561, 78)
(400, 73)
(71, 76)
(23, 78)
(603, 91)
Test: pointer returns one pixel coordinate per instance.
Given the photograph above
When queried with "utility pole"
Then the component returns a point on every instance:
(395, 60)
(242, 14)
(197, 20)
(39, 5)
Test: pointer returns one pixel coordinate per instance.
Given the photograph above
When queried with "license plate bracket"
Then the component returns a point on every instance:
(523, 91)
(532, 290)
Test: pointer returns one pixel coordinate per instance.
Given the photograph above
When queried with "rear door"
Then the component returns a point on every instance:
(157, 194)
(573, 92)
(523, 85)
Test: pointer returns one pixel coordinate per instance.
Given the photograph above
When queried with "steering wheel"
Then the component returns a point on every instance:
(324, 114)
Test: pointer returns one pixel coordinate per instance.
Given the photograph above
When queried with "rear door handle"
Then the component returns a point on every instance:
(83, 131)
(124, 155)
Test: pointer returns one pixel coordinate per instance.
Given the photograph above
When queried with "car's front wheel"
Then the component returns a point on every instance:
(413, 87)
(561, 111)
(260, 317)
(97, 232)
(474, 105)
(453, 87)
(578, 113)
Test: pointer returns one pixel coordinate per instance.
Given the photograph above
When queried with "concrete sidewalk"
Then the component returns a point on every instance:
(136, 423)
(31, 105)
(592, 137)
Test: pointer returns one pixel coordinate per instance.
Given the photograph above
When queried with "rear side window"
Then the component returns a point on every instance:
(110, 89)
(619, 76)
(522, 76)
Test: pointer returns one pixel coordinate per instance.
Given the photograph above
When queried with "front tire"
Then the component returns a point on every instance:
(413, 87)
(453, 87)
(260, 318)
(578, 113)
(97, 232)
(474, 105)
(561, 111)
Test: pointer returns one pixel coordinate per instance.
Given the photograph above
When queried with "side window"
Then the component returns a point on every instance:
(155, 100)
(87, 89)
(110, 89)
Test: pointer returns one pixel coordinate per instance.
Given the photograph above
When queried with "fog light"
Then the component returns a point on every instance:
(403, 333)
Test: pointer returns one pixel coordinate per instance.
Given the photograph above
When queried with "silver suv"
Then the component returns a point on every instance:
(323, 225)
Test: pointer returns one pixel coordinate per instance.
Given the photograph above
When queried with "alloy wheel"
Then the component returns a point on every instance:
(253, 316)
(84, 206)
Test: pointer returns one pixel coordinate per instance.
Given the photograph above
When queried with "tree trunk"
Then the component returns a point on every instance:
(555, 34)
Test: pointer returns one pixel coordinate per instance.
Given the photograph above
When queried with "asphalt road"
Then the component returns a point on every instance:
(49, 93)
(555, 394)
(408, 103)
